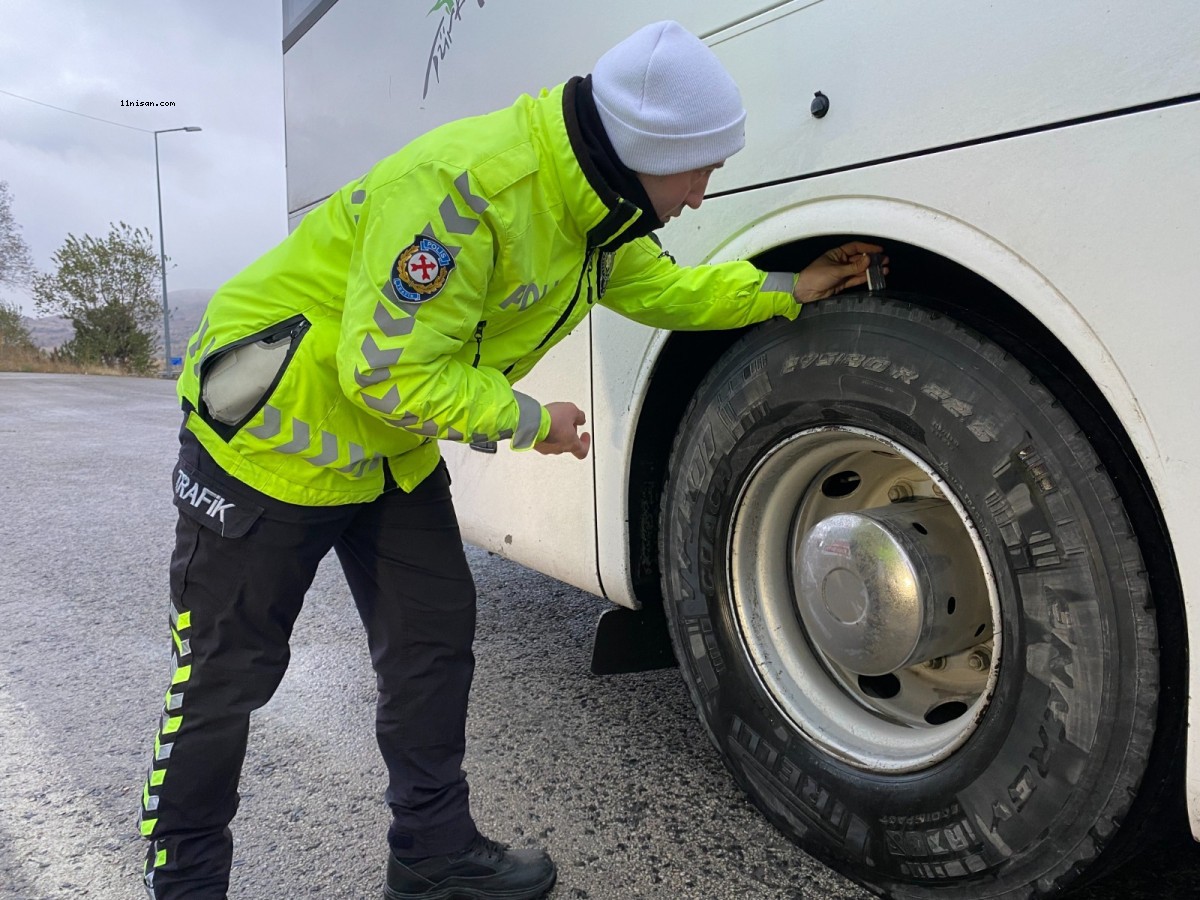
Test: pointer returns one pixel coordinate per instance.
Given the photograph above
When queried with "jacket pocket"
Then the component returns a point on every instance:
(237, 380)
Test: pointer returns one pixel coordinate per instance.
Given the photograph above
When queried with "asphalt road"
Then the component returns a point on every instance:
(613, 775)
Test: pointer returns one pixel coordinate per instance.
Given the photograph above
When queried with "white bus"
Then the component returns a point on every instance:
(925, 556)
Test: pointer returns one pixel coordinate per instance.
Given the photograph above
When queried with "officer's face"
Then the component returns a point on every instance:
(671, 193)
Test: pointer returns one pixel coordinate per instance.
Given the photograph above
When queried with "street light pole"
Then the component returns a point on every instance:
(162, 251)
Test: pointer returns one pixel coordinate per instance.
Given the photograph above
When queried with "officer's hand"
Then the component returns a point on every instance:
(564, 437)
(842, 267)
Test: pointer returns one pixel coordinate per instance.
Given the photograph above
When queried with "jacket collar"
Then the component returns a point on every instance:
(600, 212)
(606, 173)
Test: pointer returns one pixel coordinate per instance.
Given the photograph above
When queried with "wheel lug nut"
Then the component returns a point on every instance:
(901, 490)
(980, 661)
(938, 662)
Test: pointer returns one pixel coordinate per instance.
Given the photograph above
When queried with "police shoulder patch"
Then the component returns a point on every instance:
(421, 270)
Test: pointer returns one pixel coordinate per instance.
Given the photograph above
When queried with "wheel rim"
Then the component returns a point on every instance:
(864, 598)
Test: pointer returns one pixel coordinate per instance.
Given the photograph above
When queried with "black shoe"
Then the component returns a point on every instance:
(486, 870)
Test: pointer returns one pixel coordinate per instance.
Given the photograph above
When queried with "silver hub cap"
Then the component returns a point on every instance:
(878, 590)
(864, 598)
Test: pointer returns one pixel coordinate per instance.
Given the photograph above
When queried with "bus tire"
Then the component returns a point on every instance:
(909, 604)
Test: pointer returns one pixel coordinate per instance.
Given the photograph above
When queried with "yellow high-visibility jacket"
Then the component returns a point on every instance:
(413, 298)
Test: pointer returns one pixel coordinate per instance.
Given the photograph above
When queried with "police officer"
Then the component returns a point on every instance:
(321, 379)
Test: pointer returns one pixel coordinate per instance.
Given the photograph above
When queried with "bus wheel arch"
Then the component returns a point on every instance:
(930, 281)
(757, 760)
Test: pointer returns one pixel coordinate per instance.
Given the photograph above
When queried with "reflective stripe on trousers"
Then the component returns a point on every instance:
(234, 602)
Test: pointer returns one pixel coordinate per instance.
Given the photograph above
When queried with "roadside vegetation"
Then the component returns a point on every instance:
(107, 288)
(18, 355)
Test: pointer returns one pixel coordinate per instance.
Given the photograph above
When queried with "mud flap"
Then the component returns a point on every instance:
(631, 640)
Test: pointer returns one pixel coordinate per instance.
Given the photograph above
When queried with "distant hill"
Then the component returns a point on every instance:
(187, 306)
(49, 332)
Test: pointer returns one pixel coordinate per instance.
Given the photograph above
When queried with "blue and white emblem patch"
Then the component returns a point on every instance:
(421, 270)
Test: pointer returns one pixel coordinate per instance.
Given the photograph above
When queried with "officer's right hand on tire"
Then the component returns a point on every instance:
(564, 437)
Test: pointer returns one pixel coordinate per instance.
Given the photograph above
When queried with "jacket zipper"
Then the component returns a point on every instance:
(483, 446)
(591, 260)
(478, 343)
(566, 313)
(293, 328)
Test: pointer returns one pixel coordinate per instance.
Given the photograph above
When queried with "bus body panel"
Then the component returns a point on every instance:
(371, 75)
(539, 510)
(1116, 289)
(1089, 222)
(907, 77)
(395, 75)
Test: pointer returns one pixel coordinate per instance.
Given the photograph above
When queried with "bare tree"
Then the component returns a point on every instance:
(16, 265)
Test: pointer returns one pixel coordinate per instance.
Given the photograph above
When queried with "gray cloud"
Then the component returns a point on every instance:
(219, 62)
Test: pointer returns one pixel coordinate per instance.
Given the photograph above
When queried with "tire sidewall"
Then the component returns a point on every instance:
(1069, 721)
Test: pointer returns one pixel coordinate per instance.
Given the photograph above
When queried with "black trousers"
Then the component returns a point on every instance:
(242, 564)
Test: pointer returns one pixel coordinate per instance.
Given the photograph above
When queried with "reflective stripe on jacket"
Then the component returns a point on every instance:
(414, 298)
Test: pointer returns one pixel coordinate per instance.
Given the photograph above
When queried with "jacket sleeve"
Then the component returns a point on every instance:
(648, 286)
(423, 255)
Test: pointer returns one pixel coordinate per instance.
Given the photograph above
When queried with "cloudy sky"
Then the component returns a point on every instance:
(219, 62)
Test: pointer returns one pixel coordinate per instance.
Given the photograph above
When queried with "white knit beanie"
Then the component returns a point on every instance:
(667, 103)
